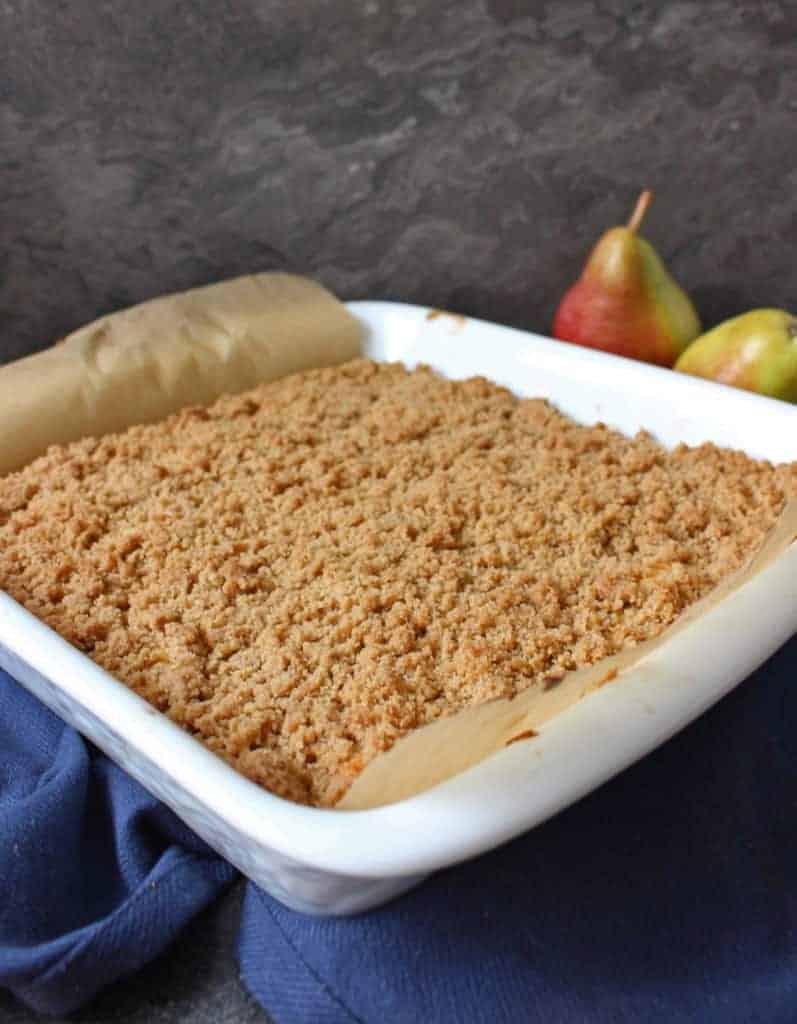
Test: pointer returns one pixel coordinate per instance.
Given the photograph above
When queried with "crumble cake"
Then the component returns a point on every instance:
(300, 575)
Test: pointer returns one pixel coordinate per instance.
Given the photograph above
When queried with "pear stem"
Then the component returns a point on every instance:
(641, 208)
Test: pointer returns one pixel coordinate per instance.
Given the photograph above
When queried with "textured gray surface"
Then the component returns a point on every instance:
(458, 153)
(462, 154)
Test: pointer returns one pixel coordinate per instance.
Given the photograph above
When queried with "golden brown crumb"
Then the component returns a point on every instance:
(300, 575)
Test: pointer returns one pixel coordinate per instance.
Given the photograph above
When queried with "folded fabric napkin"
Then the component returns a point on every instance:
(96, 876)
(668, 895)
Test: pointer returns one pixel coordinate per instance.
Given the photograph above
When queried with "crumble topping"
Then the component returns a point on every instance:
(300, 575)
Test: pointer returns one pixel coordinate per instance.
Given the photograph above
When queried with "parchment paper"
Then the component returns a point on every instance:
(445, 748)
(143, 363)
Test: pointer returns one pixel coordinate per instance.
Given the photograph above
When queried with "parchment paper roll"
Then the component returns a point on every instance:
(143, 363)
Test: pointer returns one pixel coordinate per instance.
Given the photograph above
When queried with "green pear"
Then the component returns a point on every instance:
(756, 351)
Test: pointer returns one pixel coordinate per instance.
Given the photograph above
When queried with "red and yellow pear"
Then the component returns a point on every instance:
(626, 301)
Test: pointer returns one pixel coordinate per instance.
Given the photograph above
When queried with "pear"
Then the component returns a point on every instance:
(626, 301)
(756, 351)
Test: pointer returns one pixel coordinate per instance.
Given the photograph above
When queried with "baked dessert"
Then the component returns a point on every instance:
(302, 574)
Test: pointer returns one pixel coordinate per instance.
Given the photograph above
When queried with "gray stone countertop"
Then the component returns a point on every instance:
(458, 153)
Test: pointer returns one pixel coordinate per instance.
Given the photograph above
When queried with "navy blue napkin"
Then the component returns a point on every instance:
(668, 895)
(96, 876)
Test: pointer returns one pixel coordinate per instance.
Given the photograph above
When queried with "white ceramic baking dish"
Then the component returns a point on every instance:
(331, 862)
